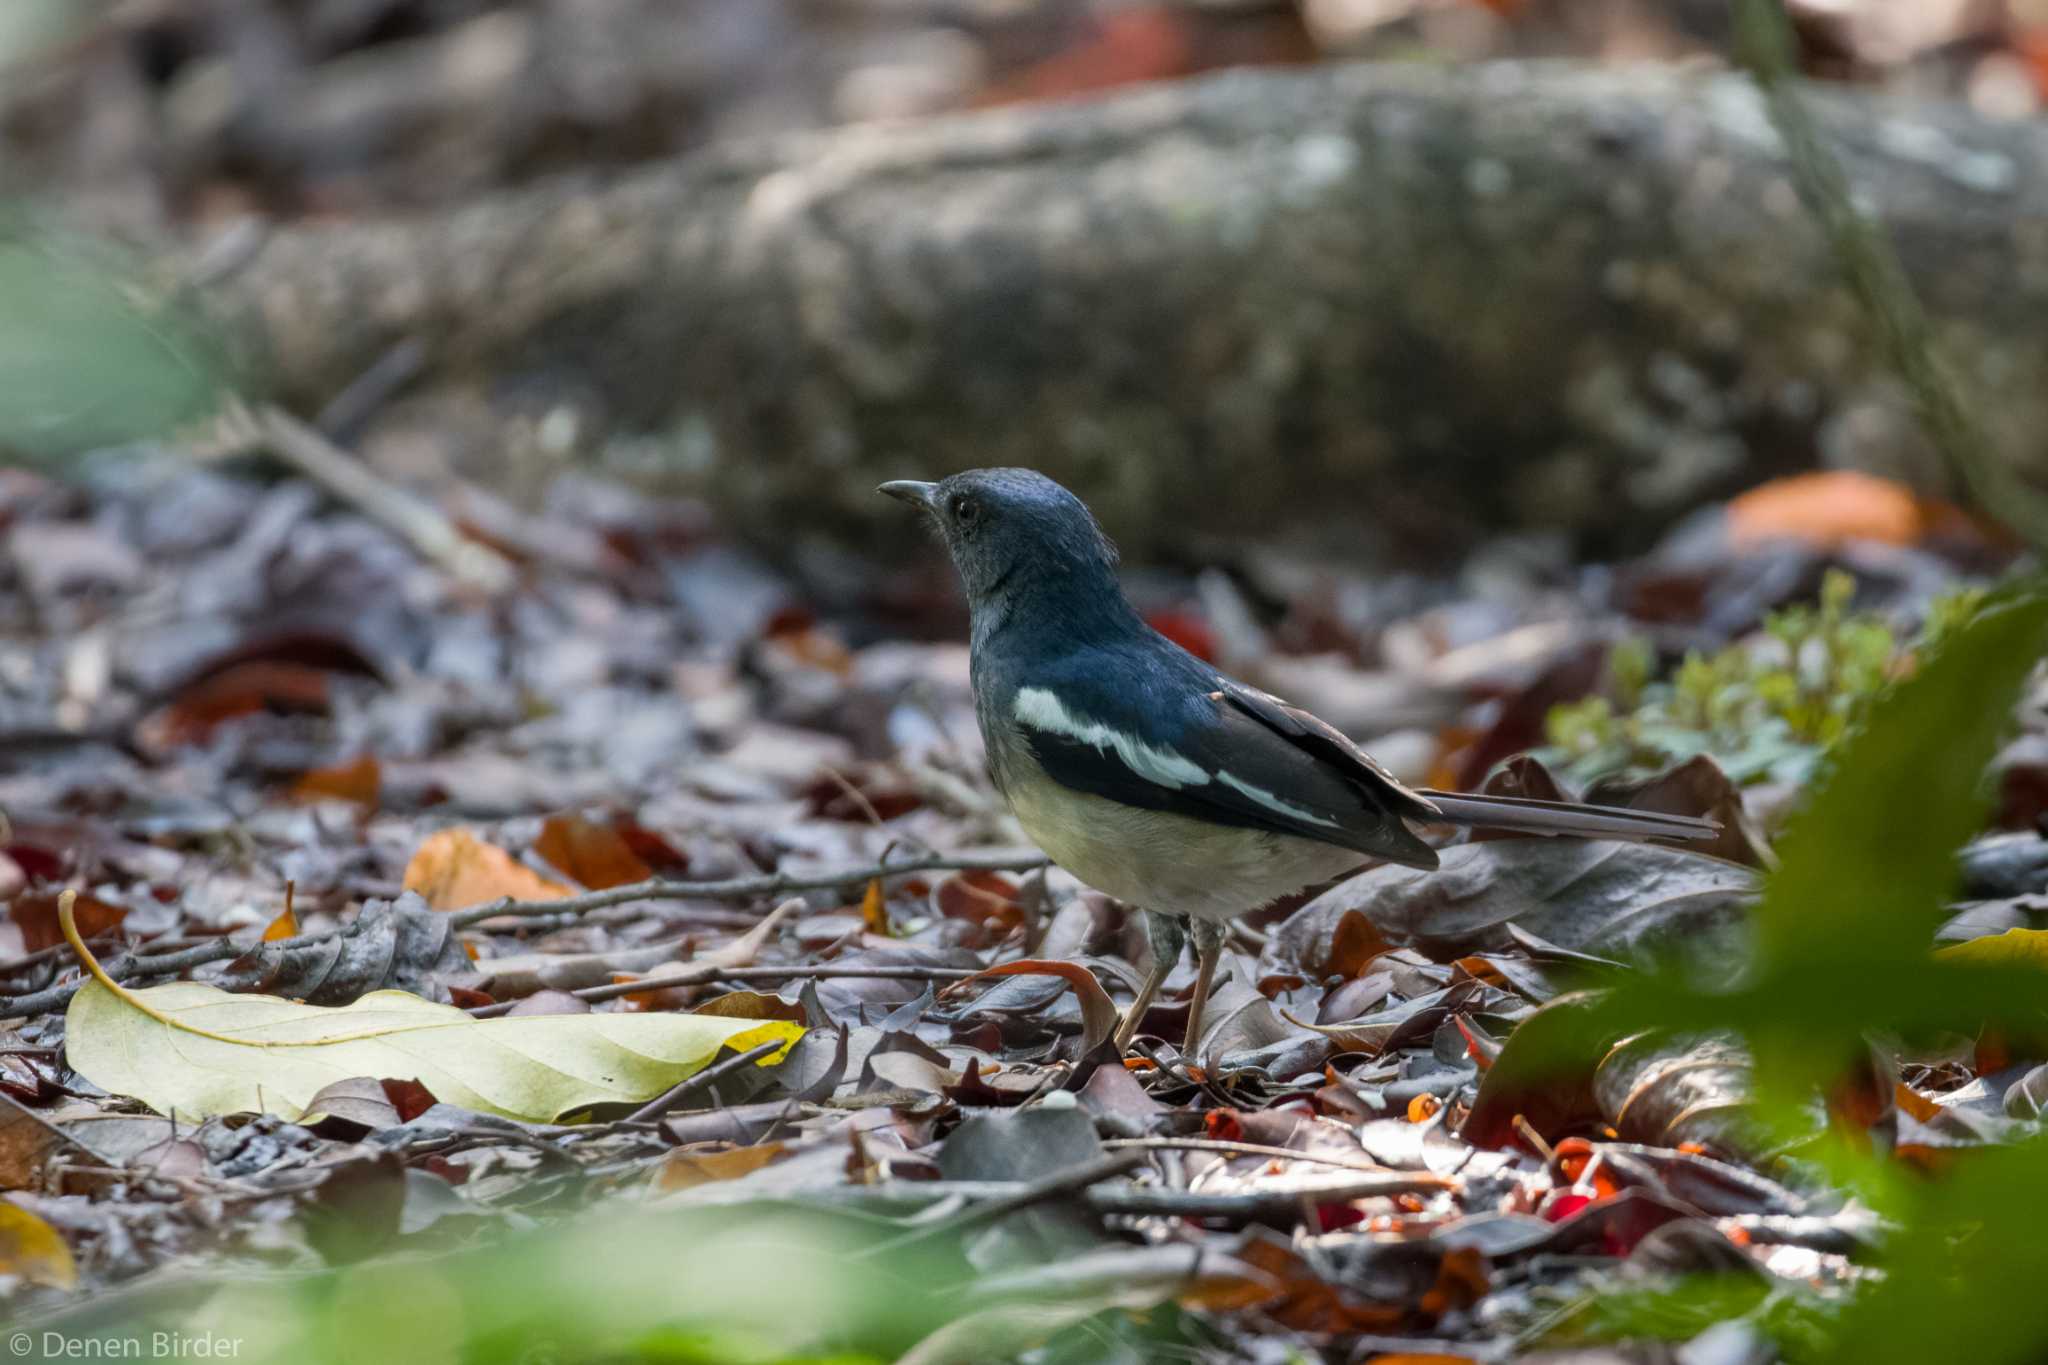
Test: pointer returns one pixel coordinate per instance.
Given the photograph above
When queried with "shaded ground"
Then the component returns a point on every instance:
(227, 696)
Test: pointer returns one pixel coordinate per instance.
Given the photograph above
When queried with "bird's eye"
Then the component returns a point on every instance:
(966, 510)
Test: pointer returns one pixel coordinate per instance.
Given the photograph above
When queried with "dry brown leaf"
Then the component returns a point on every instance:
(36, 914)
(360, 780)
(596, 856)
(453, 870)
(686, 1170)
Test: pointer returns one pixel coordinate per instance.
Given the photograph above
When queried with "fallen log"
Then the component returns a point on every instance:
(1394, 307)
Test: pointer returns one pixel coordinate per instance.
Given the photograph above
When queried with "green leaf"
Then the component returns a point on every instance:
(1866, 866)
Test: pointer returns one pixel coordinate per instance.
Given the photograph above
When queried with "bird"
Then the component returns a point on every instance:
(1151, 775)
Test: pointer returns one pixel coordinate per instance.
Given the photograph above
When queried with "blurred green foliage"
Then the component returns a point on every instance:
(759, 1283)
(1844, 952)
(86, 359)
(1767, 707)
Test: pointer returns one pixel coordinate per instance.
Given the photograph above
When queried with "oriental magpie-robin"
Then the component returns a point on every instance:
(1150, 775)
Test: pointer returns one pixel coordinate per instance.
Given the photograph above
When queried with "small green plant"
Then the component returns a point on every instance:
(1765, 707)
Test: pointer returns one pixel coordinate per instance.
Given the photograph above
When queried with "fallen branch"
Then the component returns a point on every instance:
(134, 966)
(398, 510)
(711, 974)
(748, 888)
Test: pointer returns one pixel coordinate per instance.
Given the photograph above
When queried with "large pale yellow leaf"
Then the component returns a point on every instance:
(198, 1051)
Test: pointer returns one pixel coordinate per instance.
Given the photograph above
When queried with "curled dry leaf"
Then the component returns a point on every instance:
(200, 1051)
(1617, 900)
(360, 780)
(453, 870)
(1098, 1013)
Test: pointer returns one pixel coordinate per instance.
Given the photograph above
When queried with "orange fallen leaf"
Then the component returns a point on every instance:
(593, 855)
(1356, 942)
(874, 912)
(286, 925)
(32, 1250)
(1911, 1101)
(1833, 506)
(360, 780)
(453, 870)
(1423, 1108)
(686, 1170)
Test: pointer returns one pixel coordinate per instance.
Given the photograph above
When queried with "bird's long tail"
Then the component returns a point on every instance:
(1568, 818)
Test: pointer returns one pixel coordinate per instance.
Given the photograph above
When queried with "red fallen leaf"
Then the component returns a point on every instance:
(243, 689)
(360, 780)
(1330, 1217)
(409, 1098)
(467, 998)
(40, 862)
(1190, 631)
(1565, 1205)
(1098, 1013)
(1144, 44)
(1222, 1125)
(36, 914)
(594, 856)
(1480, 1048)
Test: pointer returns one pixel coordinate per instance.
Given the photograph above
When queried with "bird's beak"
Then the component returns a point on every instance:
(912, 491)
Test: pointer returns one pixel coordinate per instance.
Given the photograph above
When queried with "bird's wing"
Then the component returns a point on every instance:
(1223, 754)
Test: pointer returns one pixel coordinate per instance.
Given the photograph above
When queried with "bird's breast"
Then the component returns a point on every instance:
(1161, 861)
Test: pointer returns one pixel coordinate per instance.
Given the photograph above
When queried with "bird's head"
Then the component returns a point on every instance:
(1014, 530)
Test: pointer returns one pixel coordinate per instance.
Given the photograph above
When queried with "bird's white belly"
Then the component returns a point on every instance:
(1170, 863)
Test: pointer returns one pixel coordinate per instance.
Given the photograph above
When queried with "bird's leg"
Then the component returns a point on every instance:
(1209, 935)
(1167, 937)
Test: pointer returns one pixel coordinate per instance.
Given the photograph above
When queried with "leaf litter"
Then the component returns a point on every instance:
(663, 796)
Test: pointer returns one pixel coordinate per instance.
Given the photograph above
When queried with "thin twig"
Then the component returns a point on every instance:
(748, 888)
(417, 522)
(710, 974)
(1154, 1201)
(1041, 1191)
(1227, 1148)
(736, 888)
(690, 1085)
